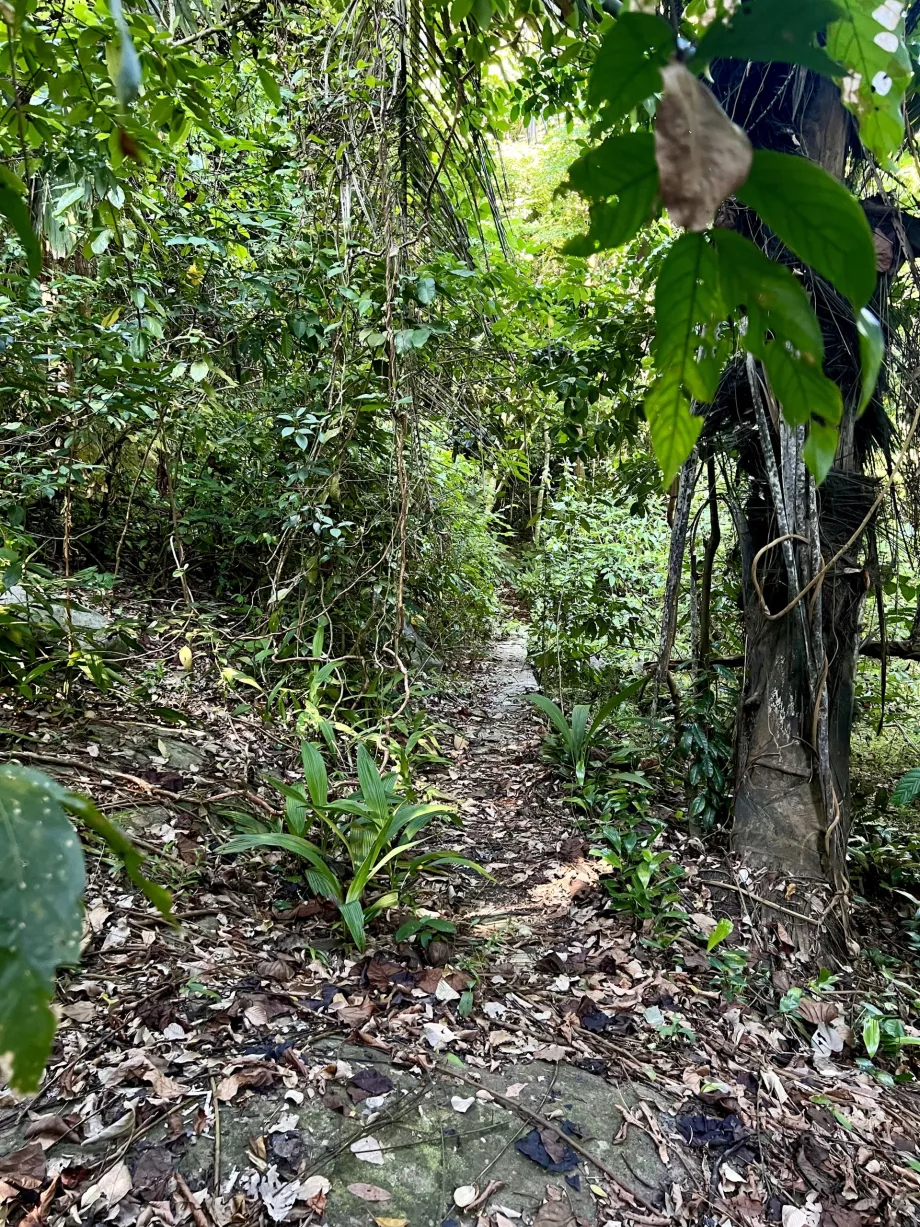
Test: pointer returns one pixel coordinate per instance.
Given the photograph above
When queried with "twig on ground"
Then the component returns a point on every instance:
(787, 911)
(543, 1123)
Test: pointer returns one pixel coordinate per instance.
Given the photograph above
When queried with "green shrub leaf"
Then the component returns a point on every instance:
(620, 177)
(772, 31)
(627, 68)
(871, 353)
(817, 219)
(688, 308)
(878, 70)
(674, 428)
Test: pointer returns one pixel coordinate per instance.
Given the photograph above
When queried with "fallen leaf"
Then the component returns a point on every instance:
(79, 1011)
(465, 1195)
(459, 1104)
(25, 1168)
(438, 1035)
(391, 1222)
(369, 1192)
(111, 1187)
(367, 1150)
(702, 156)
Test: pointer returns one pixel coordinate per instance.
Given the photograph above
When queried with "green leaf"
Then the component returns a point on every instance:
(460, 10)
(907, 789)
(820, 449)
(816, 217)
(674, 429)
(465, 1005)
(621, 167)
(353, 916)
(290, 843)
(425, 290)
(553, 713)
(270, 86)
(722, 930)
(772, 31)
(770, 295)
(869, 43)
(801, 387)
(871, 353)
(372, 789)
(199, 370)
(314, 773)
(627, 68)
(119, 843)
(688, 307)
(14, 209)
(41, 885)
(872, 1035)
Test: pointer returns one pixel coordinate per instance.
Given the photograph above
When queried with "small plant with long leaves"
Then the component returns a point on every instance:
(368, 848)
(572, 741)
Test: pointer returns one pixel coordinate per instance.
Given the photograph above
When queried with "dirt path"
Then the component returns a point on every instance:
(515, 821)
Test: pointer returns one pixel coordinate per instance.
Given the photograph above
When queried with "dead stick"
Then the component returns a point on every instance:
(543, 1123)
(216, 1103)
(787, 911)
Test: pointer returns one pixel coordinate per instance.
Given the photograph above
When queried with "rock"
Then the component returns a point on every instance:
(89, 625)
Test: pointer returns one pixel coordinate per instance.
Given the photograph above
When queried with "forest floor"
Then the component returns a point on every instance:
(553, 1064)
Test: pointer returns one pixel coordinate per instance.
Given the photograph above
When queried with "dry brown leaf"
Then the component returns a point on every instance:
(555, 1213)
(369, 1192)
(24, 1168)
(111, 1187)
(702, 156)
(815, 1012)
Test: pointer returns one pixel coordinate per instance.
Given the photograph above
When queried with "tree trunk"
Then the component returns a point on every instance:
(792, 763)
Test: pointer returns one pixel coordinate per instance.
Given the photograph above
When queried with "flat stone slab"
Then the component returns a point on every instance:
(424, 1147)
(422, 1140)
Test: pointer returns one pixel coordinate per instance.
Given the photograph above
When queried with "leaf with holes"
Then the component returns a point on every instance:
(817, 218)
(688, 309)
(620, 178)
(869, 44)
(627, 69)
(41, 885)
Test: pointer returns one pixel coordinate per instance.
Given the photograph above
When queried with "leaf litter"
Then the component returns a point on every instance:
(165, 1030)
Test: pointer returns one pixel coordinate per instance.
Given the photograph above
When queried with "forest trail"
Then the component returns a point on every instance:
(557, 1065)
(513, 816)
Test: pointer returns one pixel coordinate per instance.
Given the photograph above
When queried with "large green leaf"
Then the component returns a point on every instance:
(772, 31)
(553, 713)
(289, 843)
(816, 217)
(41, 885)
(673, 427)
(820, 450)
(14, 209)
(314, 773)
(771, 296)
(688, 308)
(620, 177)
(627, 67)
(783, 332)
(869, 43)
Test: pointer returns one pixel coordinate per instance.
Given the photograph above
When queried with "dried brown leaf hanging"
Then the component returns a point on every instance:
(702, 156)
